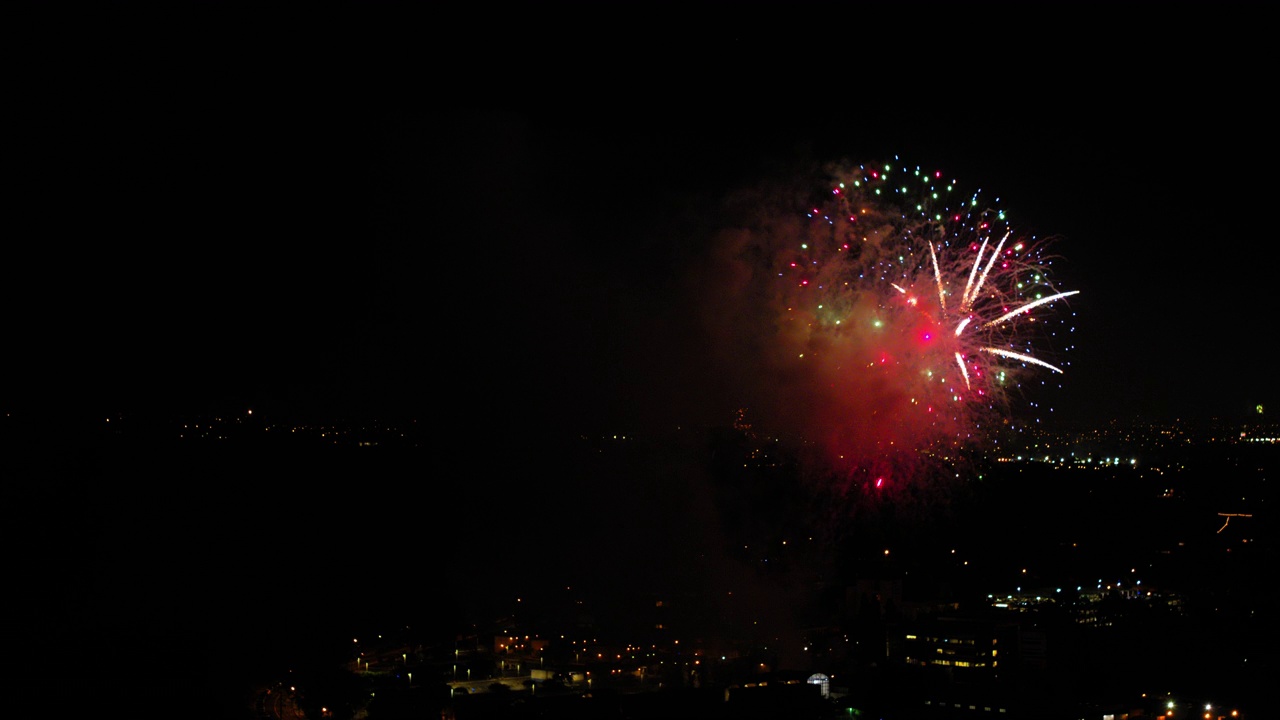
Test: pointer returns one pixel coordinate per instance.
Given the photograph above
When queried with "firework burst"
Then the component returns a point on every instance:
(913, 313)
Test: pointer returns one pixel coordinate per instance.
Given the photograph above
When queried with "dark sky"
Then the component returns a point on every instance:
(486, 218)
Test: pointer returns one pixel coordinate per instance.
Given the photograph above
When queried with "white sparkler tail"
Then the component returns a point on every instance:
(963, 370)
(1020, 356)
(990, 262)
(968, 287)
(1028, 306)
(937, 278)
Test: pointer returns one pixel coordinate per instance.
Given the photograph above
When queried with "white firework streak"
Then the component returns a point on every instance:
(964, 300)
(937, 278)
(963, 370)
(970, 294)
(1020, 356)
(1028, 306)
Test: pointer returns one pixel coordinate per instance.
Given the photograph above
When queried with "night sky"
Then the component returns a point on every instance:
(500, 224)
(283, 214)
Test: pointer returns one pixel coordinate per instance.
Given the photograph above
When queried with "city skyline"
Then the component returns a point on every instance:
(303, 540)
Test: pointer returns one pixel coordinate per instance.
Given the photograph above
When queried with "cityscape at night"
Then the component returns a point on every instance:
(1116, 571)
(646, 363)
